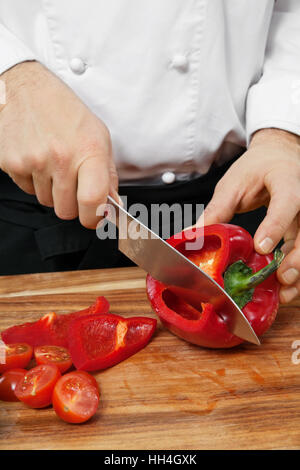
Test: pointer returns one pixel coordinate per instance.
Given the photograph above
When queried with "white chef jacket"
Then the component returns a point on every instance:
(179, 83)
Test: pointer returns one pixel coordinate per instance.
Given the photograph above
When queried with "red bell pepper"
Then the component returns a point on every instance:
(228, 256)
(100, 341)
(51, 329)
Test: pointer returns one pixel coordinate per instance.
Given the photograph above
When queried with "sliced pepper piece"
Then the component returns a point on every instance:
(100, 341)
(51, 329)
(227, 253)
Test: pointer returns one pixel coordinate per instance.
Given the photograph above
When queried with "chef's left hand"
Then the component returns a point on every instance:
(268, 173)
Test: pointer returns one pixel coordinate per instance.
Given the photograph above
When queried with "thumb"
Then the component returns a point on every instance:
(221, 207)
(114, 183)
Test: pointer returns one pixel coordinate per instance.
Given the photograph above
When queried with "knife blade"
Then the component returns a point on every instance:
(164, 263)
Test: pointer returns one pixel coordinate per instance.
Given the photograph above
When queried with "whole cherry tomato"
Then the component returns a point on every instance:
(8, 383)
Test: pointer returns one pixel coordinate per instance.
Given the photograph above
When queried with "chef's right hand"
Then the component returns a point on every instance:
(53, 146)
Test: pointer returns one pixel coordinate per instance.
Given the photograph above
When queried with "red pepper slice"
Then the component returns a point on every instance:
(228, 251)
(51, 329)
(100, 341)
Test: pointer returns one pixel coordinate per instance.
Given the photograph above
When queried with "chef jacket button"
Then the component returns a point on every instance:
(180, 62)
(77, 65)
(168, 177)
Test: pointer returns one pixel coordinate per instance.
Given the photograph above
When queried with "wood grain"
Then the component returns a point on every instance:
(170, 395)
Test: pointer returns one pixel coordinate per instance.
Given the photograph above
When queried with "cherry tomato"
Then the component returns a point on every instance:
(89, 377)
(56, 355)
(16, 355)
(76, 397)
(36, 387)
(8, 383)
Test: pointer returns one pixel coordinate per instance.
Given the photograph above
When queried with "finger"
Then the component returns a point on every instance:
(93, 188)
(289, 239)
(113, 177)
(113, 183)
(115, 195)
(292, 231)
(25, 183)
(289, 271)
(280, 214)
(287, 294)
(43, 189)
(221, 207)
(287, 247)
(290, 236)
(64, 192)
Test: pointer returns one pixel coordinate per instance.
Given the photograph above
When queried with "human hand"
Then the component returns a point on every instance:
(267, 174)
(53, 146)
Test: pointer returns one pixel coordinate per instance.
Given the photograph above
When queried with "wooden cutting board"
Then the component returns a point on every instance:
(170, 395)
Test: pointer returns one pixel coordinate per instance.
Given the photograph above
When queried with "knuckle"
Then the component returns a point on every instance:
(61, 157)
(213, 207)
(91, 199)
(95, 146)
(219, 186)
(92, 196)
(65, 214)
(17, 167)
(98, 141)
(37, 162)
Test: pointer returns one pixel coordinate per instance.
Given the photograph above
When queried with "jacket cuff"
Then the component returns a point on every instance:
(273, 103)
(12, 50)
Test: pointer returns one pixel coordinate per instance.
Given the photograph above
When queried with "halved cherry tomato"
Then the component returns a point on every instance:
(56, 355)
(16, 355)
(36, 387)
(8, 383)
(76, 397)
(89, 377)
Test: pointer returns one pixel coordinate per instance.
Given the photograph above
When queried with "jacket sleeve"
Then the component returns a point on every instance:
(274, 101)
(12, 50)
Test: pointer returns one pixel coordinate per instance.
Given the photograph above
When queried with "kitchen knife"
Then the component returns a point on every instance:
(166, 264)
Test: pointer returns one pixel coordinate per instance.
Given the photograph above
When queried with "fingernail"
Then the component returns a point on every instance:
(290, 275)
(289, 293)
(266, 245)
(121, 203)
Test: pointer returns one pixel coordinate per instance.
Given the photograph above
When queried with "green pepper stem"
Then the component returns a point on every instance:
(253, 280)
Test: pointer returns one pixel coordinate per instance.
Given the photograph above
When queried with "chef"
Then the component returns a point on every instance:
(160, 101)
